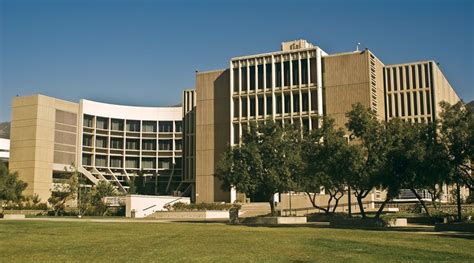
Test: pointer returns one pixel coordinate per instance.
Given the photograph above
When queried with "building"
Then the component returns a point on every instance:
(103, 141)
(178, 148)
(4, 150)
(297, 84)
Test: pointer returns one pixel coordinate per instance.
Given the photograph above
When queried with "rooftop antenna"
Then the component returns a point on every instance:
(358, 44)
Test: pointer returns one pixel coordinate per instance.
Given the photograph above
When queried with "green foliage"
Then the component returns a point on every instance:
(369, 147)
(62, 193)
(328, 161)
(265, 163)
(180, 206)
(457, 136)
(11, 188)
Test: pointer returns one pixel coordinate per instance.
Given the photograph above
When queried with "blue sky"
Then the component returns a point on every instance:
(146, 52)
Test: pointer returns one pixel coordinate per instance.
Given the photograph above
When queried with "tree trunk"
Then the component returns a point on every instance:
(272, 206)
(361, 206)
(421, 201)
(337, 203)
(458, 199)
(313, 202)
(379, 212)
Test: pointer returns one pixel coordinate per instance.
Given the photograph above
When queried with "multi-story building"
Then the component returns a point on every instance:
(102, 141)
(298, 84)
(178, 148)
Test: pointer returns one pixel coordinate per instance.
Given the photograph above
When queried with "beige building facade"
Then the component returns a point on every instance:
(296, 85)
(180, 147)
(52, 137)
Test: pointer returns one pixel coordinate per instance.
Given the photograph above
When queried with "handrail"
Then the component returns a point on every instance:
(148, 207)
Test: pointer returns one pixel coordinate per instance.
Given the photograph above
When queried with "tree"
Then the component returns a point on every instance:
(457, 137)
(328, 161)
(62, 193)
(11, 188)
(265, 163)
(98, 192)
(368, 142)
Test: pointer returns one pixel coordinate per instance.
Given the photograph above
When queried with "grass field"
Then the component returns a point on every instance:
(38, 241)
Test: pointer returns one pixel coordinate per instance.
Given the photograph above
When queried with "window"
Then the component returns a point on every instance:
(236, 108)
(165, 145)
(116, 161)
(413, 76)
(314, 100)
(252, 77)
(101, 160)
(133, 144)
(422, 104)
(415, 105)
(149, 145)
(389, 80)
(400, 70)
(260, 106)
(279, 104)
(428, 104)
(116, 143)
(260, 76)
(88, 121)
(427, 78)
(148, 163)
(166, 126)
(304, 71)
(133, 126)
(395, 80)
(117, 125)
(244, 107)
(269, 105)
(101, 142)
(179, 126)
(402, 100)
(286, 73)
(252, 107)
(420, 77)
(149, 126)
(296, 71)
(408, 104)
(243, 70)
(164, 163)
(407, 76)
(305, 101)
(390, 113)
(296, 102)
(102, 123)
(236, 79)
(278, 75)
(268, 69)
(396, 105)
(236, 133)
(87, 140)
(178, 145)
(287, 104)
(86, 159)
(131, 162)
(312, 63)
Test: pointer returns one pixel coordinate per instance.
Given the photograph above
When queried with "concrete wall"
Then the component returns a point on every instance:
(346, 82)
(212, 132)
(33, 136)
(145, 205)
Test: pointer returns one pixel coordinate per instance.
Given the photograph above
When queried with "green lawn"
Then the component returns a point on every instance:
(38, 241)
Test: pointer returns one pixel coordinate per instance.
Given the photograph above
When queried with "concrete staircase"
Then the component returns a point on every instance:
(254, 209)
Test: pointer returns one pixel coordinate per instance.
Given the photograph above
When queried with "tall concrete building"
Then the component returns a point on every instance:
(296, 85)
(178, 148)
